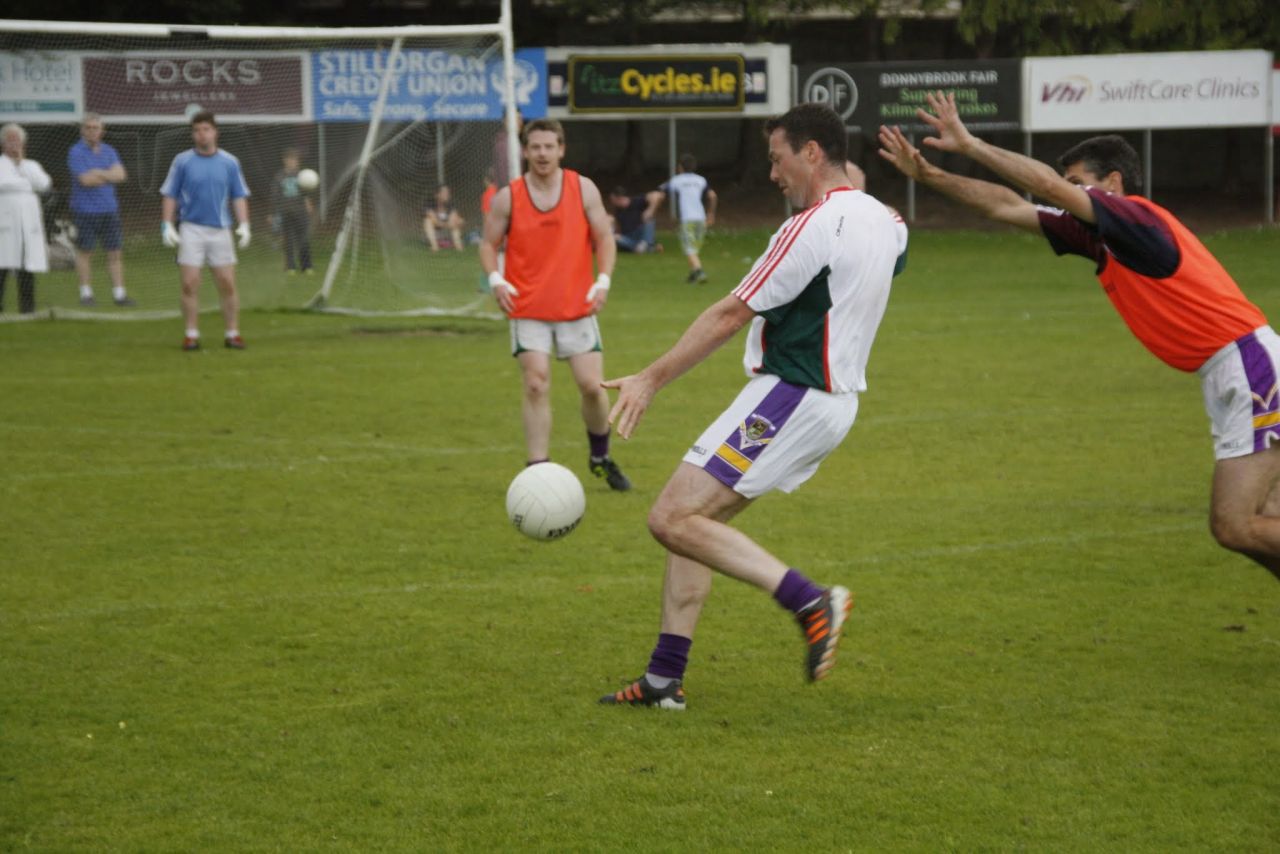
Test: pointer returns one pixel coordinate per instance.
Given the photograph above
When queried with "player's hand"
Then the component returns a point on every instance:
(598, 294)
(242, 232)
(634, 395)
(904, 156)
(169, 235)
(503, 291)
(945, 120)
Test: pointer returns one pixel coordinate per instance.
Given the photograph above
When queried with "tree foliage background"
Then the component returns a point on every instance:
(869, 29)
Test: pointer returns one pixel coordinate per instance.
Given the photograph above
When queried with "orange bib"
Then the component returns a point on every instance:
(549, 253)
(1187, 317)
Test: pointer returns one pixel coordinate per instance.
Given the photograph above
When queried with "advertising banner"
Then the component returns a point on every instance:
(666, 84)
(427, 85)
(684, 81)
(870, 94)
(1150, 90)
(40, 87)
(168, 87)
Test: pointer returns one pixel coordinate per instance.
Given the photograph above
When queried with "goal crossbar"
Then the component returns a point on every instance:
(222, 31)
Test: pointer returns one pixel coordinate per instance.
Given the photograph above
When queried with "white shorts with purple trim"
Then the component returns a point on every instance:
(773, 436)
(1242, 394)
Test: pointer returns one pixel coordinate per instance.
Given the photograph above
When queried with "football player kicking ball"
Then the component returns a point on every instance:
(1172, 293)
(817, 296)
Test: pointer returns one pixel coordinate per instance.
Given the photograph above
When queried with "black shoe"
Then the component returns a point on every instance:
(698, 277)
(691, 278)
(125, 302)
(189, 343)
(822, 622)
(235, 342)
(88, 301)
(641, 693)
(606, 468)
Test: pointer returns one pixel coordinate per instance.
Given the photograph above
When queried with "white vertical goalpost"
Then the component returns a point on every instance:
(408, 109)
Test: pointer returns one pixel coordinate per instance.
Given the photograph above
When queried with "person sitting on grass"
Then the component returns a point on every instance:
(442, 216)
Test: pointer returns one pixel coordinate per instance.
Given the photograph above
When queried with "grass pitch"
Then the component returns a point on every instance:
(269, 600)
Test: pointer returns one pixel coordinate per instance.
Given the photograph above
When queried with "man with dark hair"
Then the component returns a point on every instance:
(1102, 155)
(817, 295)
(551, 283)
(690, 190)
(1172, 293)
(633, 218)
(204, 186)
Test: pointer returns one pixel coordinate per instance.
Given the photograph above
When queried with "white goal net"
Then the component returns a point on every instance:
(402, 126)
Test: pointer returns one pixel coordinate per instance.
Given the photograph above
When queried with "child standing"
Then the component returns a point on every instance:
(294, 209)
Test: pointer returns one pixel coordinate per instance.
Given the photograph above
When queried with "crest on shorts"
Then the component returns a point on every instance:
(751, 432)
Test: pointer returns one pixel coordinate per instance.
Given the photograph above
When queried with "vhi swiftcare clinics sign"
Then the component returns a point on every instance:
(656, 83)
(1227, 88)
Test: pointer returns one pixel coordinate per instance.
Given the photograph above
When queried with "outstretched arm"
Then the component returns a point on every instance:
(992, 200)
(1038, 179)
(716, 325)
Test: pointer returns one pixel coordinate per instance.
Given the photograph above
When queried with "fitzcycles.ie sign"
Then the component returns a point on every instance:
(607, 84)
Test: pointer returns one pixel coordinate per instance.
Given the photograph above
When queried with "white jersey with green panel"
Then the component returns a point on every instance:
(820, 290)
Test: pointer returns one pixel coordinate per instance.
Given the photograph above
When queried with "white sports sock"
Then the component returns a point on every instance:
(658, 682)
(193, 333)
(86, 290)
(232, 333)
(118, 292)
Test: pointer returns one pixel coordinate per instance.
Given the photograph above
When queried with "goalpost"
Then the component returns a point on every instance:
(391, 118)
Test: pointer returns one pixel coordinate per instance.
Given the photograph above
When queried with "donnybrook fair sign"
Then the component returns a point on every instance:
(870, 94)
(1227, 88)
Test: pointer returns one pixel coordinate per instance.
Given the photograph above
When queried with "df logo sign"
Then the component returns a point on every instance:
(833, 87)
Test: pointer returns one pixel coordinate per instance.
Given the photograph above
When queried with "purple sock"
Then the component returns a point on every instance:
(670, 657)
(599, 444)
(795, 591)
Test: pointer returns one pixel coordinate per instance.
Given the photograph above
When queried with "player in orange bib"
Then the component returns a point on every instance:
(553, 221)
(1171, 292)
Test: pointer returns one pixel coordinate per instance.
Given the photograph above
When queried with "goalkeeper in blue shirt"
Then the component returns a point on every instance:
(204, 186)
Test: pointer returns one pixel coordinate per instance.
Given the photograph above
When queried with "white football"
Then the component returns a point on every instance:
(546, 501)
(308, 180)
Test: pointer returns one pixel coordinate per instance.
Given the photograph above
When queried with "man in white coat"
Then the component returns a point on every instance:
(22, 246)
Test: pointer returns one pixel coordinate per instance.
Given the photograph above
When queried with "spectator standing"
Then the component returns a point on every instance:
(22, 244)
(96, 169)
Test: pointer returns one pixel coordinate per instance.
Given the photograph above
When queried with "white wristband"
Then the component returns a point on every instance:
(603, 281)
(495, 279)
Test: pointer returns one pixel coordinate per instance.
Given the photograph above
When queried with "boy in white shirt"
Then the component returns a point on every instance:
(689, 189)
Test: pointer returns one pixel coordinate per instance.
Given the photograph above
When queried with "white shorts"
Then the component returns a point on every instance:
(1242, 396)
(773, 436)
(564, 338)
(201, 244)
